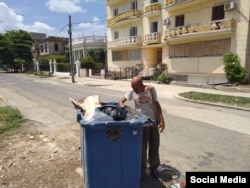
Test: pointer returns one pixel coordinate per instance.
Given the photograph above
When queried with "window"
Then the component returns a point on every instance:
(216, 47)
(41, 48)
(116, 35)
(115, 12)
(134, 54)
(154, 1)
(120, 55)
(179, 50)
(179, 20)
(134, 5)
(45, 48)
(200, 49)
(116, 56)
(133, 31)
(154, 27)
(56, 47)
(218, 13)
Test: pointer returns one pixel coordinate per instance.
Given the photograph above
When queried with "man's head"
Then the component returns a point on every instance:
(137, 84)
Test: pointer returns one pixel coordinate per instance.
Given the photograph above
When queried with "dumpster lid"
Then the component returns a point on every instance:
(139, 122)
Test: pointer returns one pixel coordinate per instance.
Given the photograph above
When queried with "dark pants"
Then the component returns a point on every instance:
(150, 143)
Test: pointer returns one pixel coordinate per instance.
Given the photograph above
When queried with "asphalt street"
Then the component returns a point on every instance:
(197, 136)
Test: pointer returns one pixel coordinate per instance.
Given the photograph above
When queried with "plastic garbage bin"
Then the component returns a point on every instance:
(111, 152)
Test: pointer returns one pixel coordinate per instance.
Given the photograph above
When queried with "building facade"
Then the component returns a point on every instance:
(53, 45)
(189, 37)
(38, 38)
(81, 45)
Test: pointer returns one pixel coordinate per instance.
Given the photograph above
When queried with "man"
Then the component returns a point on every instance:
(144, 98)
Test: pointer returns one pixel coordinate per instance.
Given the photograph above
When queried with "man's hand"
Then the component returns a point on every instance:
(161, 126)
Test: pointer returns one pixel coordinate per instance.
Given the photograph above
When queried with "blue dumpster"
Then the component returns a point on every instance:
(111, 152)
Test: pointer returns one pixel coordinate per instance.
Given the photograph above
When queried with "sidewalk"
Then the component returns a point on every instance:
(163, 89)
(169, 94)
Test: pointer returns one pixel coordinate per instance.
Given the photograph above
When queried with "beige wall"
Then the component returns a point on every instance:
(149, 57)
(196, 65)
(195, 12)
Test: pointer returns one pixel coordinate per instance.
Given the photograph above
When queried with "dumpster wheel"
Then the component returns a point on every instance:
(114, 133)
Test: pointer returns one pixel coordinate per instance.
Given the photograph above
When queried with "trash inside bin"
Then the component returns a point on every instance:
(111, 152)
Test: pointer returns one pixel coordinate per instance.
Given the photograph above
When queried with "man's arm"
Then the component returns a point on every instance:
(122, 102)
(161, 124)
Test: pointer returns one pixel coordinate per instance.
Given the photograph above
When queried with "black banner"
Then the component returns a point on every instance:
(219, 179)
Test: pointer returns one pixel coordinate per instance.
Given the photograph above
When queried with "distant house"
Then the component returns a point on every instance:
(38, 38)
(81, 45)
(53, 45)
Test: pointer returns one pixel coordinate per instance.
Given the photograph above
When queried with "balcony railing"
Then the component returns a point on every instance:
(201, 28)
(153, 7)
(131, 40)
(124, 16)
(172, 2)
(152, 38)
(89, 39)
(112, 2)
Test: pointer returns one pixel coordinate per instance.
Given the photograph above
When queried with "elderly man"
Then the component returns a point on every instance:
(145, 97)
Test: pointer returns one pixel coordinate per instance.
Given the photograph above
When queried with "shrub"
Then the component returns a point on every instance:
(234, 72)
(63, 67)
(156, 74)
(162, 78)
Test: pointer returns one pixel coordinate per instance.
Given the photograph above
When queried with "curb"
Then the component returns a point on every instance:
(232, 89)
(209, 103)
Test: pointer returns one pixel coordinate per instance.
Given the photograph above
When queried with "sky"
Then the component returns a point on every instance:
(88, 17)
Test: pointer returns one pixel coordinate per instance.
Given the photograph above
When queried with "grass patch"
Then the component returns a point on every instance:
(215, 98)
(10, 120)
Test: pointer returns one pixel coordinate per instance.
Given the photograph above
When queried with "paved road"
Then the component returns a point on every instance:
(198, 137)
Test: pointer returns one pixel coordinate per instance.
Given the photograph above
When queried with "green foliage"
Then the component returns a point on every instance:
(233, 70)
(95, 59)
(47, 58)
(215, 98)
(63, 67)
(66, 55)
(99, 66)
(98, 55)
(89, 63)
(162, 77)
(10, 118)
(156, 74)
(16, 49)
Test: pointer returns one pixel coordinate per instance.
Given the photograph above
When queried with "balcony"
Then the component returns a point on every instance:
(154, 8)
(214, 27)
(112, 2)
(177, 4)
(152, 38)
(126, 41)
(89, 39)
(124, 16)
(173, 2)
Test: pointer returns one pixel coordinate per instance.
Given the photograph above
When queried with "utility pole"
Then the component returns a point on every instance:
(70, 51)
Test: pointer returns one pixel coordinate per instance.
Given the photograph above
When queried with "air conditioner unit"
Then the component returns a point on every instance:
(166, 21)
(229, 6)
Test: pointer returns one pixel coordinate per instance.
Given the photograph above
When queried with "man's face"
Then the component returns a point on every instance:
(137, 88)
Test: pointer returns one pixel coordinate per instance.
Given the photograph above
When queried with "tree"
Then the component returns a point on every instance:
(16, 49)
(235, 73)
(98, 55)
(5, 55)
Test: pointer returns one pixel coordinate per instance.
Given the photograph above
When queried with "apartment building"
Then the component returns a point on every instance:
(189, 37)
